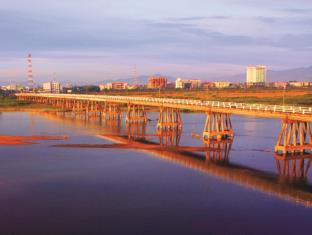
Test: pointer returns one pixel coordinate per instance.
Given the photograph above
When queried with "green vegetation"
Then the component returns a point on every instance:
(298, 97)
(10, 103)
(305, 100)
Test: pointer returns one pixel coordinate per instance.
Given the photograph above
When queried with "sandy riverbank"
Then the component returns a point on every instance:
(24, 140)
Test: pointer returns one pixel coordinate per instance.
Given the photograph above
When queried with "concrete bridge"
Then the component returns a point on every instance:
(295, 135)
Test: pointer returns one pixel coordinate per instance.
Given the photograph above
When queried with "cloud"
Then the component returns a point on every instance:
(22, 32)
(286, 21)
(268, 19)
(199, 18)
(297, 10)
(296, 42)
(88, 44)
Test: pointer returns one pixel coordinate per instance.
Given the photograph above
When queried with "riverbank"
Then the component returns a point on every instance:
(11, 104)
(28, 108)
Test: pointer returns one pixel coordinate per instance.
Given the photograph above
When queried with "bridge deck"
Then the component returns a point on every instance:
(260, 110)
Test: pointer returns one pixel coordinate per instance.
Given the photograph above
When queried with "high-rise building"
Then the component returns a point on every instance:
(256, 75)
(157, 82)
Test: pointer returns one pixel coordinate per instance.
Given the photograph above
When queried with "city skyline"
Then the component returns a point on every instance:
(105, 40)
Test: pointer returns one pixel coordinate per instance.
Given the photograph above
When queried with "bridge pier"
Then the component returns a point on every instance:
(136, 114)
(111, 111)
(77, 106)
(295, 137)
(94, 109)
(218, 126)
(169, 119)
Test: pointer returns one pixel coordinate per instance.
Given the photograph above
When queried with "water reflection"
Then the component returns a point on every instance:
(136, 131)
(221, 150)
(169, 137)
(212, 158)
(294, 167)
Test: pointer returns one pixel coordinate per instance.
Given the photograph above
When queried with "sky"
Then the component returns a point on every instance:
(84, 41)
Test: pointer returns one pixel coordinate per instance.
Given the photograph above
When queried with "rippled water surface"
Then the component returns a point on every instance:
(60, 190)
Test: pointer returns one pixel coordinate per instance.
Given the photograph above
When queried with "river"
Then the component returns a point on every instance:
(46, 189)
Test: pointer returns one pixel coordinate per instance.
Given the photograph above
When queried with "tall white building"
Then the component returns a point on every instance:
(51, 87)
(256, 75)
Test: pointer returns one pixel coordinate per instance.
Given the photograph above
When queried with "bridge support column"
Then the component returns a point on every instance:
(295, 137)
(136, 114)
(169, 119)
(218, 126)
(111, 111)
(94, 109)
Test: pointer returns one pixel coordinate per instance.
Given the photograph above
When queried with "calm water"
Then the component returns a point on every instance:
(51, 190)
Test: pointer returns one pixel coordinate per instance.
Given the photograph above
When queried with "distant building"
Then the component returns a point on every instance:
(12, 87)
(187, 84)
(170, 85)
(157, 82)
(119, 85)
(207, 85)
(299, 84)
(51, 87)
(67, 88)
(256, 75)
(114, 86)
(133, 87)
(47, 87)
(222, 84)
(179, 84)
(278, 84)
(238, 85)
(107, 86)
(195, 83)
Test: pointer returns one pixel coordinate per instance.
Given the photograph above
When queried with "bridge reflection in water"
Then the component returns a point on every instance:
(293, 167)
(213, 158)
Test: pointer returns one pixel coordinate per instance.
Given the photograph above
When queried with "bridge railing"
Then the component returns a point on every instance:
(186, 102)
